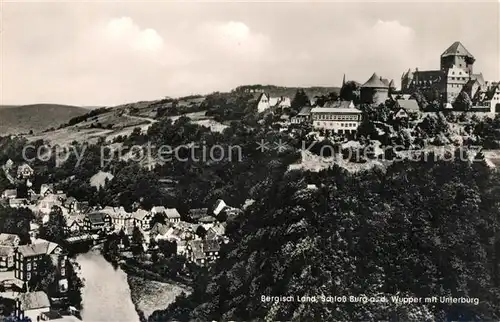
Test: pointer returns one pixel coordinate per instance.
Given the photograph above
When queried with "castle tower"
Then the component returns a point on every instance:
(457, 55)
(374, 90)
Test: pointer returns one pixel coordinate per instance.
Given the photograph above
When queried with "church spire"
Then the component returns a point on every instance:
(343, 80)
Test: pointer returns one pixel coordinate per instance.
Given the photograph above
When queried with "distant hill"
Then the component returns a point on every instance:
(36, 117)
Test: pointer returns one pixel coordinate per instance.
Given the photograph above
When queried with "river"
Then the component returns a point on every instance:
(106, 294)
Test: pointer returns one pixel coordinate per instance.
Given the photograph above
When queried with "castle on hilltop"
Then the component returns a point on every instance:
(456, 75)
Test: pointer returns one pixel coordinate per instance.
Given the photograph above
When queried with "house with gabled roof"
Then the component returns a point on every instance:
(46, 189)
(195, 214)
(303, 116)
(97, 222)
(27, 258)
(158, 210)
(9, 194)
(120, 218)
(75, 223)
(18, 202)
(142, 219)
(8, 243)
(31, 305)
(172, 215)
(9, 164)
(404, 108)
(71, 204)
(202, 252)
(24, 171)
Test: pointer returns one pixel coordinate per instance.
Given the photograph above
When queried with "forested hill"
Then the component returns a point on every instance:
(274, 90)
(421, 229)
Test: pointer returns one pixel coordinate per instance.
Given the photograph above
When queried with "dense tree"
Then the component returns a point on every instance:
(440, 216)
(124, 239)
(300, 100)
(462, 102)
(44, 277)
(16, 221)
(201, 232)
(350, 92)
(137, 240)
(167, 248)
(111, 249)
(55, 228)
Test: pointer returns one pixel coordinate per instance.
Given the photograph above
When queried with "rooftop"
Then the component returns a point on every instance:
(375, 82)
(456, 49)
(34, 300)
(40, 248)
(9, 239)
(172, 213)
(409, 105)
(339, 110)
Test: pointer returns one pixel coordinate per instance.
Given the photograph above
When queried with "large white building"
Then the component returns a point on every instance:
(338, 117)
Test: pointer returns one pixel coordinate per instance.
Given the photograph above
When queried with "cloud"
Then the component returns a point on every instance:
(92, 54)
(235, 40)
(123, 31)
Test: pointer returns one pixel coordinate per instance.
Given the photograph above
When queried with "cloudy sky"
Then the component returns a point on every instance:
(106, 53)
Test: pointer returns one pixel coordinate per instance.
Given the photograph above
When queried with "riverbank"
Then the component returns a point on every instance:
(149, 296)
(149, 290)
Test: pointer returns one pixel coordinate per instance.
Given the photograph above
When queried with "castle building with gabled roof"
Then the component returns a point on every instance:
(456, 75)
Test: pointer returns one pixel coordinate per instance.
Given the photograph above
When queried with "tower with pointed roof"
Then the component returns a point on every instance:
(457, 56)
(375, 90)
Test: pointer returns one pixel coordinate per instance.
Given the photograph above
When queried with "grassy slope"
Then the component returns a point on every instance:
(37, 117)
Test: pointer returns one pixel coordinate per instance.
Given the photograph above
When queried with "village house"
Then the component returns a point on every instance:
(71, 204)
(491, 98)
(9, 194)
(142, 219)
(24, 171)
(31, 305)
(75, 223)
(207, 222)
(215, 232)
(32, 195)
(202, 252)
(179, 231)
(405, 108)
(265, 102)
(195, 214)
(158, 210)
(338, 117)
(9, 164)
(219, 206)
(46, 189)
(34, 230)
(46, 204)
(120, 218)
(303, 117)
(97, 222)
(6, 258)
(172, 215)
(8, 243)
(27, 258)
(18, 202)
